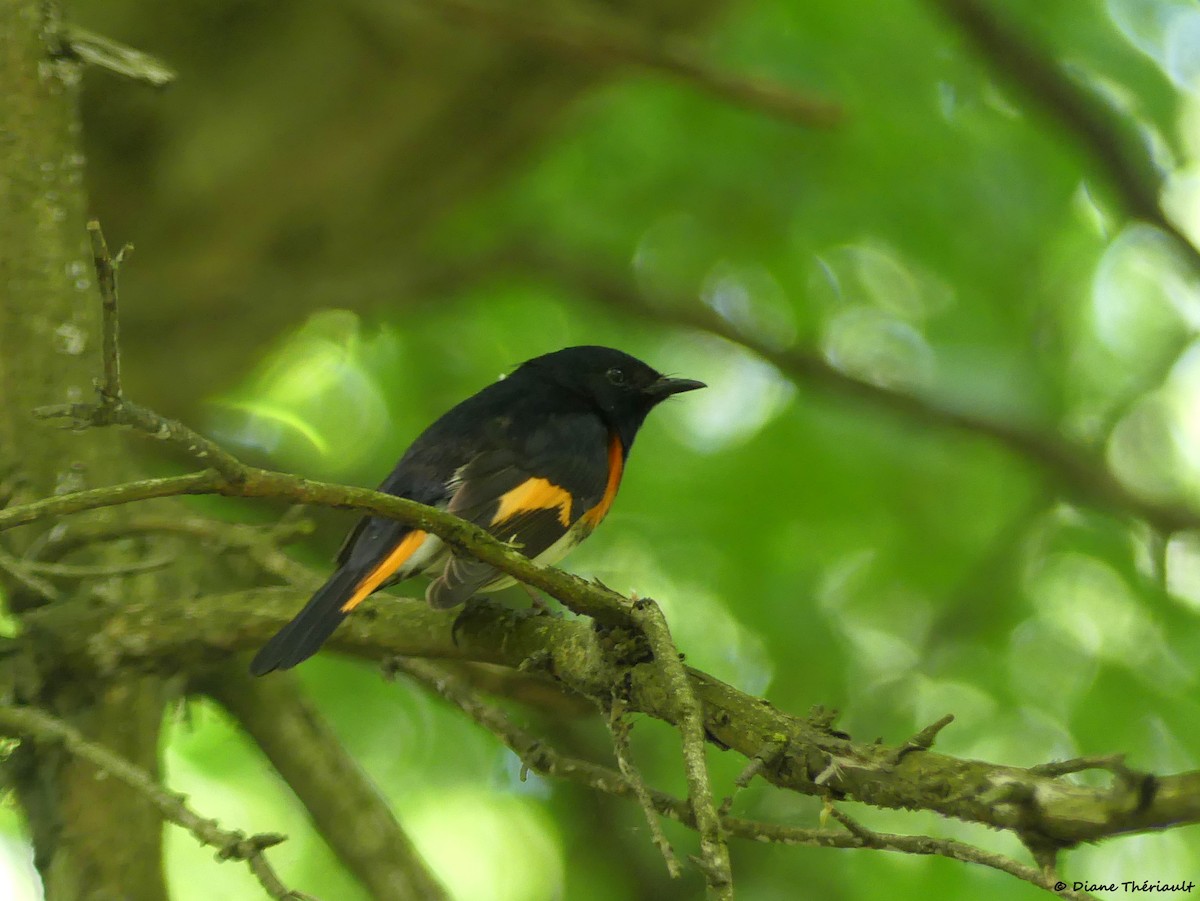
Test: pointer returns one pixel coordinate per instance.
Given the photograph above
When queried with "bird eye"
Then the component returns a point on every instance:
(615, 376)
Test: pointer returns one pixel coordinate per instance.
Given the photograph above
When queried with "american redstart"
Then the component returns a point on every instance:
(535, 458)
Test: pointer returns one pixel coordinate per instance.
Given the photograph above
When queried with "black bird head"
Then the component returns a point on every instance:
(622, 388)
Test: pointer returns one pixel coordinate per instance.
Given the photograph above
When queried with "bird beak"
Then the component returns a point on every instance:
(665, 387)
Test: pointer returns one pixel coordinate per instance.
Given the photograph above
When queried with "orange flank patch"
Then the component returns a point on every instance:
(534, 494)
(616, 465)
(380, 574)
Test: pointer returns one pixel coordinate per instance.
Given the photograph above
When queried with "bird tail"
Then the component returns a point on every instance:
(304, 635)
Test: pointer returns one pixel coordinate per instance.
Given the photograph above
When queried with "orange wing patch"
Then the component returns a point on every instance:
(392, 562)
(534, 494)
(616, 466)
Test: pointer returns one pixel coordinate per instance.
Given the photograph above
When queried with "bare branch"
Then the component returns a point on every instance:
(330, 785)
(97, 50)
(106, 280)
(688, 716)
(761, 759)
(1114, 763)
(924, 739)
(113, 408)
(542, 758)
(608, 42)
(207, 482)
(260, 543)
(231, 845)
(27, 576)
(123, 412)
(184, 634)
(1076, 469)
(618, 728)
(1121, 155)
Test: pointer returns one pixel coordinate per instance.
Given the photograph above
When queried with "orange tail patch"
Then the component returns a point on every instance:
(380, 574)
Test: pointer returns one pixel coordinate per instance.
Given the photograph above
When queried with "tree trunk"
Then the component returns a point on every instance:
(94, 839)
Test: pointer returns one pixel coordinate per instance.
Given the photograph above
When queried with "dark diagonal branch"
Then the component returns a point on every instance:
(1120, 153)
(44, 728)
(609, 42)
(1079, 471)
(330, 785)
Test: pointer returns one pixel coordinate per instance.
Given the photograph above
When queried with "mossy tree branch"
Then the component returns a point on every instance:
(44, 730)
(178, 634)
(538, 756)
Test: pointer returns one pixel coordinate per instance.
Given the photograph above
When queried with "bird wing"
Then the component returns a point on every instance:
(543, 505)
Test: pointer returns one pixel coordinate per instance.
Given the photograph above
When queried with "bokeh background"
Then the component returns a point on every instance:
(344, 216)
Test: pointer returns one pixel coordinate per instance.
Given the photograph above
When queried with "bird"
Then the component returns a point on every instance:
(535, 458)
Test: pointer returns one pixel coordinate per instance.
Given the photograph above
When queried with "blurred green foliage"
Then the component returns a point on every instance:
(941, 240)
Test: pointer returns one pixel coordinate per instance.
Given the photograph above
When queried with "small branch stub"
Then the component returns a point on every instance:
(106, 278)
(96, 50)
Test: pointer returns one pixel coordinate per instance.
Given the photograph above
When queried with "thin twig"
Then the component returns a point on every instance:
(195, 445)
(113, 408)
(908, 844)
(95, 570)
(260, 543)
(610, 42)
(1114, 763)
(862, 833)
(769, 753)
(106, 280)
(546, 760)
(618, 728)
(690, 722)
(231, 845)
(526, 686)
(23, 573)
(97, 50)
(923, 740)
(207, 482)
